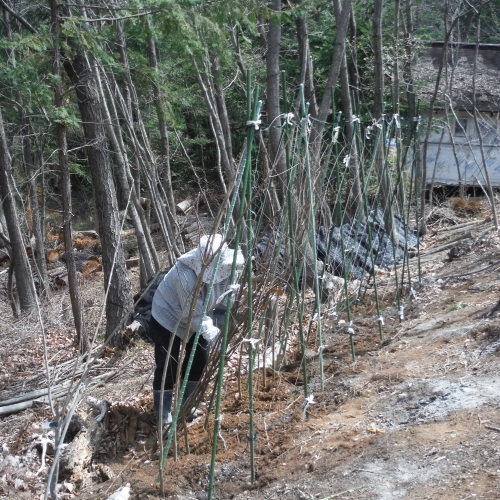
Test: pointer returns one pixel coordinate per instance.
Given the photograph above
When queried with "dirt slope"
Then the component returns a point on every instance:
(417, 415)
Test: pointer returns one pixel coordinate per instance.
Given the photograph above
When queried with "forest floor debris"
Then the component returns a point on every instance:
(413, 417)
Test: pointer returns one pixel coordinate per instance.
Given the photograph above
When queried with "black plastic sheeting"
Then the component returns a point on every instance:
(358, 239)
(363, 244)
(358, 245)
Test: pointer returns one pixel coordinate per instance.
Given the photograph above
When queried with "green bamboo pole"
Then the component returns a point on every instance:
(345, 268)
(369, 225)
(406, 197)
(397, 281)
(399, 289)
(312, 232)
(366, 179)
(408, 182)
(414, 175)
(413, 138)
(382, 136)
(250, 242)
(253, 117)
(228, 221)
(286, 219)
(291, 168)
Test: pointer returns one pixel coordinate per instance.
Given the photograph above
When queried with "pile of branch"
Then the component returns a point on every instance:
(62, 378)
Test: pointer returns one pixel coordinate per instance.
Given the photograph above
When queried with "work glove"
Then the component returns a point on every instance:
(234, 289)
(208, 330)
(219, 316)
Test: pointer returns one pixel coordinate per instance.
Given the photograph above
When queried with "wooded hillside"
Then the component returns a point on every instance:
(295, 129)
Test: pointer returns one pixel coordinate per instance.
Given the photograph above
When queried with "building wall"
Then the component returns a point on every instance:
(454, 152)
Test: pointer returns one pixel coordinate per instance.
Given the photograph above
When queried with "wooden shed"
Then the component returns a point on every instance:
(463, 148)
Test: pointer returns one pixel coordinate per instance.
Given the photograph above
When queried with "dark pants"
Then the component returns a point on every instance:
(161, 337)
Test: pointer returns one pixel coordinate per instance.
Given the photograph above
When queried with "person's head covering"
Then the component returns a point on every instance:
(206, 253)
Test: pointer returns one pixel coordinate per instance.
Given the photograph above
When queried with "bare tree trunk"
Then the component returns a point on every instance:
(450, 122)
(353, 188)
(396, 97)
(207, 89)
(19, 262)
(161, 201)
(395, 67)
(409, 59)
(378, 111)
(277, 158)
(352, 64)
(442, 64)
(149, 258)
(206, 81)
(411, 99)
(118, 303)
(122, 50)
(306, 65)
(342, 15)
(130, 105)
(36, 214)
(220, 102)
(491, 194)
(3, 223)
(60, 129)
(144, 160)
(162, 121)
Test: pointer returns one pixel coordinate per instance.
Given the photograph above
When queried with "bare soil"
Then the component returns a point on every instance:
(416, 415)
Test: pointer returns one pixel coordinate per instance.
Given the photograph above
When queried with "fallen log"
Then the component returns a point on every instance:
(132, 262)
(24, 397)
(89, 232)
(131, 232)
(85, 264)
(55, 234)
(7, 410)
(475, 271)
(77, 455)
(91, 266)
(447, 246)
(41, 396)
(52, 256)
(458, 227)
(185, 206)
(58, 277)
(56, 393)
(193, 231)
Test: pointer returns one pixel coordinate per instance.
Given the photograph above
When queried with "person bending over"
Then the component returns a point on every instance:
(175, 314)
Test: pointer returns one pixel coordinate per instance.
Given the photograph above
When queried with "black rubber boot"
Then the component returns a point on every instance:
(166, 417)
(190, 388)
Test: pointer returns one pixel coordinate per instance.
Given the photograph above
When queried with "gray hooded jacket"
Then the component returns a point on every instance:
(173, 300)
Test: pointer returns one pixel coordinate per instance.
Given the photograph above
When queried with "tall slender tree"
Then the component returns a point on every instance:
(273, 89)
(118, 300)
(62, 144)
(35, 222)
(20, 262)
(378, 111)
(342, 16)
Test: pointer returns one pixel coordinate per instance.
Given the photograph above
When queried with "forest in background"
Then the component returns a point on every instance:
(127, 100)
(274, 119)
